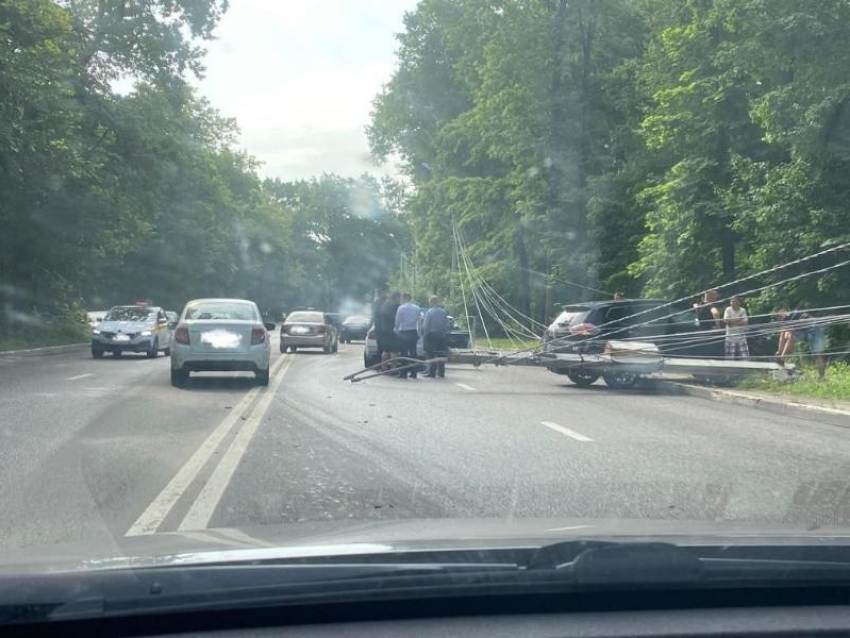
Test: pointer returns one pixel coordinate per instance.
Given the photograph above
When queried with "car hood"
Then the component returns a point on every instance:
(344, 539)
(125, 326)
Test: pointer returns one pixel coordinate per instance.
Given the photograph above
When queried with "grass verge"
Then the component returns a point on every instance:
(835, 387)
(42, 335)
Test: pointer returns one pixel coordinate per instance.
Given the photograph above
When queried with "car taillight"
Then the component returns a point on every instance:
(320, 330)
(284, 329)
(584, 329)
(181, 335)
(258, 335)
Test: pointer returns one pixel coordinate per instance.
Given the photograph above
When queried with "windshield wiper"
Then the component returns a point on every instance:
(559, 568)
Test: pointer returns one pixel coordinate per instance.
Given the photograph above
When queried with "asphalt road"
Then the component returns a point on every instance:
(103, 449)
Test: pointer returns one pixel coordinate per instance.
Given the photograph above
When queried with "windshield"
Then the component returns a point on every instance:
(446, 271)
(130, 313)
(305, 317)
(220, 310)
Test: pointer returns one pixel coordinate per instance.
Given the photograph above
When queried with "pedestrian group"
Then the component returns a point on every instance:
(398, 323)
(794, 327)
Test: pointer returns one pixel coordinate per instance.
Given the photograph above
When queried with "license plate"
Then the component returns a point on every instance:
(221, 339)
(122, 337)
(298, 330)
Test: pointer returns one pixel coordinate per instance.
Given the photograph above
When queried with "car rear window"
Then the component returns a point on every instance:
(130, 313)
(573, 316)
(305, 317)
(351, 320)
(221, 311)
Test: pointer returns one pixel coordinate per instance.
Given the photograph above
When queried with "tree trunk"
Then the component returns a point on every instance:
(524, 296)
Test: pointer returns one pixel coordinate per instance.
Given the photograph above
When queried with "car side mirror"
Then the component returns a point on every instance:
(270, 326)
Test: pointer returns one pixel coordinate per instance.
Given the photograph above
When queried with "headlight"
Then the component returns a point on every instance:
(146, 333)
(95, 331)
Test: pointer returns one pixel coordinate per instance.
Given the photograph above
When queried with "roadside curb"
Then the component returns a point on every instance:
(38, 352)
(824, 414)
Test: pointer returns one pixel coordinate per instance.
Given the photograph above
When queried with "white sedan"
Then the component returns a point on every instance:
(220, 335)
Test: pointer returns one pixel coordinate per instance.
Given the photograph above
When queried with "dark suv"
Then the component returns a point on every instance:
(585, 327)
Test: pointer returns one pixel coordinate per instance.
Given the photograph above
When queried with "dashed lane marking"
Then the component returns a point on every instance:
(567, 432)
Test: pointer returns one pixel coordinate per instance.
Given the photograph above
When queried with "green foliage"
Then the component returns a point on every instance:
(514, 120)
(835, 387)
(657, 147)
(110, 198)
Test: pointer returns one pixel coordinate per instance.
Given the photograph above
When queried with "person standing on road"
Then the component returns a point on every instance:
(735, 319)
(709, 319)
(435, 326)
(377, 304)
(387, 342)
(408, 321)
(801, 326)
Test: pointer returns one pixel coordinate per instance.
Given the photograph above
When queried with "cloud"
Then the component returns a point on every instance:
(300, 78)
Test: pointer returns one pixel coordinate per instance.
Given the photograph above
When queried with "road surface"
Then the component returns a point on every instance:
(108, 448)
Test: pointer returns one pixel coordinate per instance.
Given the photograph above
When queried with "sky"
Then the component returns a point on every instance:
(299, 76)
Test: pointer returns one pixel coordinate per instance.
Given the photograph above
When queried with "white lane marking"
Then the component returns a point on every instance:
(567, 529)
(199, 515)
(81, 376)
(162, 505)
(465, 387)
(567, 431)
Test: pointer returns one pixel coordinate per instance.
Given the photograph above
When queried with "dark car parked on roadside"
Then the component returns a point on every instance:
(354, 328)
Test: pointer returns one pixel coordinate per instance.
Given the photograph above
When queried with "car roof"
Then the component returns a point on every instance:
(221, 299)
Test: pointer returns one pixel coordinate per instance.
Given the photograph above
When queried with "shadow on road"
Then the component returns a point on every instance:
(204, 383)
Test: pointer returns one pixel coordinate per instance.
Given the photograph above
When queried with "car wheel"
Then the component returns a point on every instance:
(293, 349)
(326, 349)
(282, 348)
(154, 351)
(262, 377)
(582, 378)
(336, 347)
(620, 380)
(167, 351)
(96, 353)
(179, 378)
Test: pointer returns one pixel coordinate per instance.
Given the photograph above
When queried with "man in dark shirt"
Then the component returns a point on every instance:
(376, 318)
(710, 320)
(385, 330)
(434, 330)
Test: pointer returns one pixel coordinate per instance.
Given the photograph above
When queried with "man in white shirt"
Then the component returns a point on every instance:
(735, 319)
(408, 320)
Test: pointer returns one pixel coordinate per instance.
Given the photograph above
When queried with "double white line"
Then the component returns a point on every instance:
(202, 509)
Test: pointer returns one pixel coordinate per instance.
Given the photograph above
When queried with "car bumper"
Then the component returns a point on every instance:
(255, 359)
(359, 335)
(305, 341)
(139, 344)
